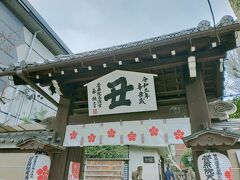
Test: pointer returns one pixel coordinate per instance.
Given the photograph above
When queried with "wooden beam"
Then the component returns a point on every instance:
(163, 112)
(21, 75)
(16, 150)
(220, 147)
(164, 81)
(145, 65)
(159, 94)
(161, 103)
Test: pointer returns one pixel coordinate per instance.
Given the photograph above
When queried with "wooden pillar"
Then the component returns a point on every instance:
(197, 103)
(75, 154)
(58, 161)
(198, 109)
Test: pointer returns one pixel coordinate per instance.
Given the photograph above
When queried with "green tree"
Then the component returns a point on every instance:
(235, 4)
(236, 101)
(37, 115)
(40, 114)
(26, 120)
(185, 158)
(106, 152)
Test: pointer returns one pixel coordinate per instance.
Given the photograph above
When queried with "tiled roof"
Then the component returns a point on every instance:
(202, 26)
(13, 138)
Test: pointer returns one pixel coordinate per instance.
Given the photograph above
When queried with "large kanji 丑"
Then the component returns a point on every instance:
(122, 92)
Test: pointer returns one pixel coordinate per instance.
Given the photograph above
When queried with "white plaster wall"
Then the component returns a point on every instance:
(150, 170)
(12, 165)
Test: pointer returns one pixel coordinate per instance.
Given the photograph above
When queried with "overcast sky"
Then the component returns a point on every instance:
(92, 24)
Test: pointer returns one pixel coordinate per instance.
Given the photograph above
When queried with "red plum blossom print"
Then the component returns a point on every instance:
(228, 174)
(179, 134)
(91, 138)
(73, 135)
(132, 136)
(153, 131)
(42, 173)
(111, 133)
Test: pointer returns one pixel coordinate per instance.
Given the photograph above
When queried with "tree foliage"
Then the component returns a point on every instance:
(236, 101)
(185, 156)
(235, 4)
(106, 152)
(40, 114)
(232, 73)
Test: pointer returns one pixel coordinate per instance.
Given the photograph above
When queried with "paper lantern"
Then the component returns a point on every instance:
(37, 167)
(214, 166)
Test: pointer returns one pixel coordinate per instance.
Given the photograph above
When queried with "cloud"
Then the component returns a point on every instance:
(92, 24)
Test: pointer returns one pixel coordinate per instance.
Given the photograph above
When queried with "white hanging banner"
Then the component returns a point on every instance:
(174, 130)
(37, 167)
(214, 166)
(121, 92)
(111, 133)
(92, 134)
(132, 132)
(74, 135)
(147, 132)
(74, 171)
(153, 133)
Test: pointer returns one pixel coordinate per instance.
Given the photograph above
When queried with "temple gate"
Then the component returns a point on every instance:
(189, 74)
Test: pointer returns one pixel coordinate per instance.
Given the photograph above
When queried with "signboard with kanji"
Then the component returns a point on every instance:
(121, 92)
(214, 166)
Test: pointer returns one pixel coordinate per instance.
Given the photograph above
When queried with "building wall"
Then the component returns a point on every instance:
(150, 170)
(12, 166)
(39, 52)
(179, 151)
(11, 36)
(20, 103)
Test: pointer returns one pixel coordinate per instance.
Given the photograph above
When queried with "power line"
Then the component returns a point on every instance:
(214, 22)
